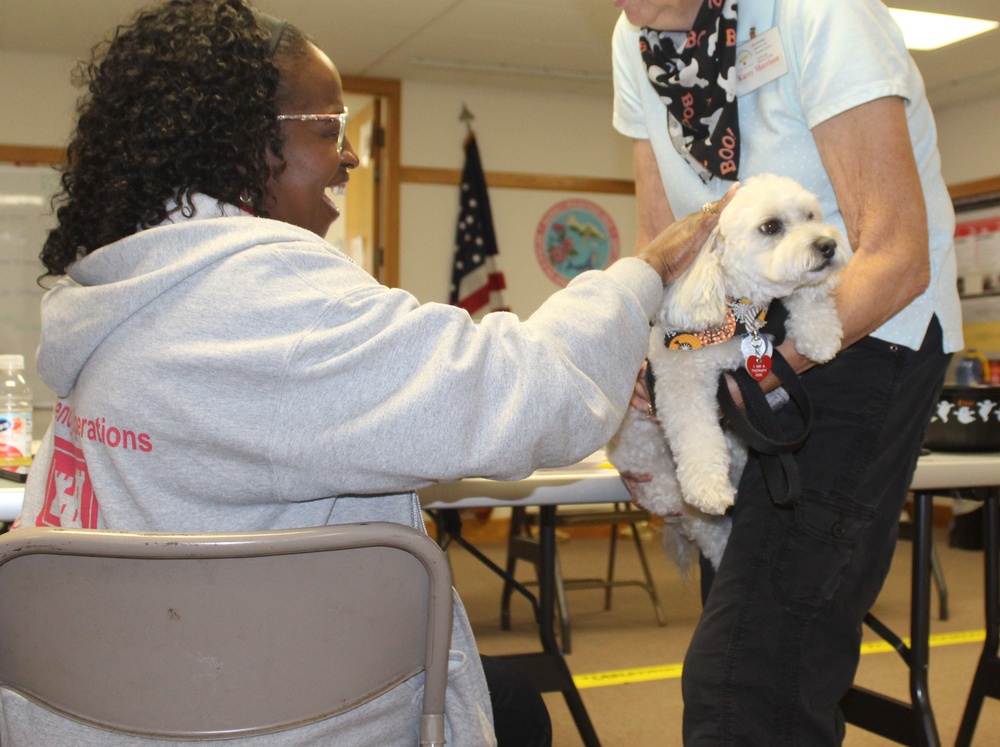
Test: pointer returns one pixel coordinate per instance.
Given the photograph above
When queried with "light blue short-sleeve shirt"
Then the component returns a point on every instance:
(840, 54)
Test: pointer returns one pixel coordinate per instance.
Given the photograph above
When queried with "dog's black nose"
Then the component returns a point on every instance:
(826, 247)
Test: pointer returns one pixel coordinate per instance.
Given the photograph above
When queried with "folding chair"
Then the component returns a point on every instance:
(203, 636)
(522, 546)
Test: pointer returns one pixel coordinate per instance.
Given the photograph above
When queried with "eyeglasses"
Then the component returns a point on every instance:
(341, 118)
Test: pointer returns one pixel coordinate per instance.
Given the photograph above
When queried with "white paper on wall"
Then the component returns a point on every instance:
(25, 220)
(970, 279)
(988, 255)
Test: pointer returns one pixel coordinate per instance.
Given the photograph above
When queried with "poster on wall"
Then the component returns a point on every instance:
(977, 252)
(575, 236)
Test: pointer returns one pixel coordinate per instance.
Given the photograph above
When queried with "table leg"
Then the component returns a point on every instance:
(513, 540)
(548, 669)
(905, 723)
(920, 620)
(986, 682)
(546, 598)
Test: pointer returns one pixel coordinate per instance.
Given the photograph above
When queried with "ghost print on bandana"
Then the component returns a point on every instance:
(694, 74)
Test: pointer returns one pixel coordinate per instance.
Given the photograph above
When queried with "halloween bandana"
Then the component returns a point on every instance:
(694, 75)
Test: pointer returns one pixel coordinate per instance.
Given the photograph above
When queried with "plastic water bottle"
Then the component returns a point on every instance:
(15, 414)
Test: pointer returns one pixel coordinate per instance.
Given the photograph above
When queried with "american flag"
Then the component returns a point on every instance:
(476, 282)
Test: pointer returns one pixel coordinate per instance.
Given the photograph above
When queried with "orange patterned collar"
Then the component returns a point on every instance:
(742, 317)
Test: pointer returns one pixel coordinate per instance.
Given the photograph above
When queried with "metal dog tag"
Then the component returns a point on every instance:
(757, 350)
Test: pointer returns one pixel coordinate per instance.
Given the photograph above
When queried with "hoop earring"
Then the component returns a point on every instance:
(246, 203)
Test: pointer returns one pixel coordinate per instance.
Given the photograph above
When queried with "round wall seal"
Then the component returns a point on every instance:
(575, 236)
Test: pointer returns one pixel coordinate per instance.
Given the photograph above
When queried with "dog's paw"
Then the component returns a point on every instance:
(814, 324)
(712, 494)
(819, 350)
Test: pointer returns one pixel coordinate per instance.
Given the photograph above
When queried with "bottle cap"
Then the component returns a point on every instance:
(15, 362)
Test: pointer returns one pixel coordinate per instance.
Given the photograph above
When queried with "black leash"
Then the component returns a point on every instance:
(757, 425)
(761, 430)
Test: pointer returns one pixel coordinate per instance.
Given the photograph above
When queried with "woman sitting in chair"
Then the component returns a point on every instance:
(220, 367)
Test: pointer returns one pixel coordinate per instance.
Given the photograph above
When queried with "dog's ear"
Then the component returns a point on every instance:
(697, 300)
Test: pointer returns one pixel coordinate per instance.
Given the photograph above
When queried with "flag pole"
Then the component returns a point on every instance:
(467, 117)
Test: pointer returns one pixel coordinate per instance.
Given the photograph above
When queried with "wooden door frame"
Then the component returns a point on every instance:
(30, 155)
(390, 92)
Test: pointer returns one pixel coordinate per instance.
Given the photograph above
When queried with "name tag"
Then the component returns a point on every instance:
(759, 61)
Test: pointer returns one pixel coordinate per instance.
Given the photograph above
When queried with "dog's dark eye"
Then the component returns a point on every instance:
(772, 227)
(810, 217)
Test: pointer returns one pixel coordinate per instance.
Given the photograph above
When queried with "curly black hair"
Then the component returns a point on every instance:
(181, 101)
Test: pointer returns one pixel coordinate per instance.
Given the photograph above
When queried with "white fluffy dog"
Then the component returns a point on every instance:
(770, 243)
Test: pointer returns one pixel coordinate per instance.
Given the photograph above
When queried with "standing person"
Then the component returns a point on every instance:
(822, 91)
(220, 367)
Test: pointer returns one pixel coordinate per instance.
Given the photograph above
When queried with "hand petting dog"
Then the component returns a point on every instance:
(672, 251)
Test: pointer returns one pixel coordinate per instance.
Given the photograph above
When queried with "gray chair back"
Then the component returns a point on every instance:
(202, 636)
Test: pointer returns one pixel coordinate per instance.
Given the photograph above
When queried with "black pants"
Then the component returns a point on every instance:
(520, 717)
(778, 642)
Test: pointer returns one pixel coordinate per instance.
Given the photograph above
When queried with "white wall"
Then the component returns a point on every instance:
(38, 99)
(517, 131)
(969, 139)
(520, 131)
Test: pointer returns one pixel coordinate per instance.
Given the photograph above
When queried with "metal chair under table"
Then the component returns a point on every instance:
(521, 545)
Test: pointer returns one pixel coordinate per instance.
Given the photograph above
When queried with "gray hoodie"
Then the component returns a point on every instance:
(223, 372)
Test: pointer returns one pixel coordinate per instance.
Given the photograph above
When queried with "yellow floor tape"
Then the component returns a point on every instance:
(673, 671)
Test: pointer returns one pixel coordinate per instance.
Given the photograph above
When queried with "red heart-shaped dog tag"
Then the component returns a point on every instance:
(759, 367)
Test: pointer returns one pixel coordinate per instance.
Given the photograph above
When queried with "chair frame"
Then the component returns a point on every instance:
(234, 634)
(522, 546)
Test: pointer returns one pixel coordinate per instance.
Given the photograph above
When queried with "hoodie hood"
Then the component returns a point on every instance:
(109, 285)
